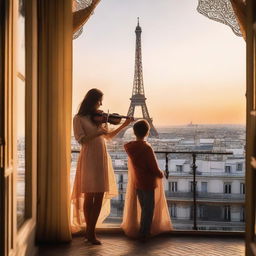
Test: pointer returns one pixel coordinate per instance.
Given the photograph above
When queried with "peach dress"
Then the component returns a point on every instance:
(131, 218)
(94, 172)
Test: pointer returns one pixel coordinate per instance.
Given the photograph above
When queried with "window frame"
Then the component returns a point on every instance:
(228, 169)
(204, 182)
(229, 188)
(173, 186)
(227, 213)
(179, 168)
(239, 167)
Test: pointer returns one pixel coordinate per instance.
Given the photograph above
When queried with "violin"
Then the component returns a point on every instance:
(100, 117)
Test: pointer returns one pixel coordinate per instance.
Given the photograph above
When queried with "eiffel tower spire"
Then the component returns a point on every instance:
(138, 98)
(138, 86)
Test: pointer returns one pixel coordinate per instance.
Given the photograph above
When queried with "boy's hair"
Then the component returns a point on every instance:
(141, 128)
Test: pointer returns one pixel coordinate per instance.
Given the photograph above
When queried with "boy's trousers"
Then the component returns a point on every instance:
(147, 203)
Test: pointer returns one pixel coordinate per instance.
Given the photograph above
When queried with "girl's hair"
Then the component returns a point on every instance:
(87, 107)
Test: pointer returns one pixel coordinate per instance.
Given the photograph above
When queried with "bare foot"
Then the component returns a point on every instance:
(94, 240)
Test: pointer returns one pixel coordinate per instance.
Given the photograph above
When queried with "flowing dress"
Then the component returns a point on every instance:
(132, 211)
(94, 172)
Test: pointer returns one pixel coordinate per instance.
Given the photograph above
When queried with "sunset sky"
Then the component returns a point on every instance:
(193, 67)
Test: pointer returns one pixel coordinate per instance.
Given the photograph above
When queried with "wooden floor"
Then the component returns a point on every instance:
(119, 245)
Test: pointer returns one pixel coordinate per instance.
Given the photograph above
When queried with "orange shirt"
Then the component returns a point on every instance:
(144, 163)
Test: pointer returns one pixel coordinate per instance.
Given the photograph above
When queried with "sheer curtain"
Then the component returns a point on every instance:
(229, 12)
(82, 10)
(132, 211)
(239, 7)
(78, 223)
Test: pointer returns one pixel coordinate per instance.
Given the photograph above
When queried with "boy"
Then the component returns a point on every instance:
(145, 174)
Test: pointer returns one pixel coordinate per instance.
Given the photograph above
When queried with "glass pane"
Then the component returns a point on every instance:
(20, 115)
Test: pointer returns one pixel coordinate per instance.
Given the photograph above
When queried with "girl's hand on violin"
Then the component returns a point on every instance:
(128, 121)
(105, 126)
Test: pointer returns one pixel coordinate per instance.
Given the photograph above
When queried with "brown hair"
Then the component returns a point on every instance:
(141, 128)
(87, 107)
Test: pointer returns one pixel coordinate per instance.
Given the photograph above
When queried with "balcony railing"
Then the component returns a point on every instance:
(194, 155)
(196, 198)
(206, 195)
(207, 174)
(203, 196)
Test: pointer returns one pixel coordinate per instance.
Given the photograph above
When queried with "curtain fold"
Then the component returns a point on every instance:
(229, 12)
(78, 223)
(82, 10)
(132, 211)
(239, 8)
(54, 120)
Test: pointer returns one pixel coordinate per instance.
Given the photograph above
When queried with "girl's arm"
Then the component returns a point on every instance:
(113, 133)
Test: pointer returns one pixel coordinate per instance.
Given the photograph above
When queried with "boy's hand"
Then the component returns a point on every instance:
(128, 121)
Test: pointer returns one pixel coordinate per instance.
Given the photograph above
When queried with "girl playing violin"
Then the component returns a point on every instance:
(95, 179)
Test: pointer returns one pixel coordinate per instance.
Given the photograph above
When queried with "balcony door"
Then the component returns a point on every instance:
(7, 131)
(18, 126)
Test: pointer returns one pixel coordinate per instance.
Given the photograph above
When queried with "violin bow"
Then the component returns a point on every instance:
(107, 117)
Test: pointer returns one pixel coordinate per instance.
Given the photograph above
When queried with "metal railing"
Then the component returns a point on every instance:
(203, 195)
(194, 173)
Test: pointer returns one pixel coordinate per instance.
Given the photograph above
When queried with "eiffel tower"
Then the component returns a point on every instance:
(138, 98)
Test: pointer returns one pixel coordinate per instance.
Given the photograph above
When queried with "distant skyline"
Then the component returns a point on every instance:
(193, 67)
